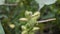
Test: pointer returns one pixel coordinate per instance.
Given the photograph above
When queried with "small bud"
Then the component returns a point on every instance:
(24, 32)
(35, 28)
(23, 27)
(36, 13)
(12, 26)
(23, 19)
(28, 13)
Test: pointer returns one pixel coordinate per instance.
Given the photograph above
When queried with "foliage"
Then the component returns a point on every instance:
(10, 15)
(31, 21)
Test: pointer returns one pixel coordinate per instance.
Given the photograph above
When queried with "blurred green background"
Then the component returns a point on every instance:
(15, 9)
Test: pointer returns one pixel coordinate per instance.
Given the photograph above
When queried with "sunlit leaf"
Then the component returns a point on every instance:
(2, 2)
(45, 2)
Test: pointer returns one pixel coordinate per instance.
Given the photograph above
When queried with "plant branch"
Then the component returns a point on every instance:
(47, 20)
(8, 5)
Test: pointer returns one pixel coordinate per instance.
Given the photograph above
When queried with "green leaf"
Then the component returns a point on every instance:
(1, 29)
